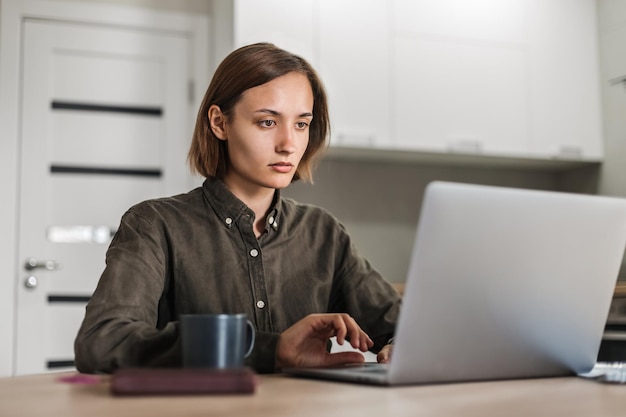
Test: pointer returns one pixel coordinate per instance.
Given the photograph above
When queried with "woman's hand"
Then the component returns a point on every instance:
(384, 356)
(304, 344)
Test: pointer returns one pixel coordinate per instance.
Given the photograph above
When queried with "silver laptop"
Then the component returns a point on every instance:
(503, 283)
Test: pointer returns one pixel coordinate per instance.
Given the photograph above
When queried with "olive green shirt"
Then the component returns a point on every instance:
(197, 253)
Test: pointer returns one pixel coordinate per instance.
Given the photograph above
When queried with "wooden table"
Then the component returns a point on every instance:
(278, 395)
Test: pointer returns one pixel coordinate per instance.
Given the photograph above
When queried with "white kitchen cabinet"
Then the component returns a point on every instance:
(459, 97)
(460, 80)
(288, 24)
(354, 64)
(564, 68)
(347, 43)
(506, 78)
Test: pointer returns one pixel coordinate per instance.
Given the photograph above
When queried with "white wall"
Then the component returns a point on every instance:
(612, 26)
(612, 39)
(8, 191)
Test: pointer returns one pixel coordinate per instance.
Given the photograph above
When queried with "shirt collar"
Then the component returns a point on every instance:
(229, 208)
(272, 216)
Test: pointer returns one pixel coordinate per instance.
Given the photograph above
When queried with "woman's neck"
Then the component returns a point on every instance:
(259, 200)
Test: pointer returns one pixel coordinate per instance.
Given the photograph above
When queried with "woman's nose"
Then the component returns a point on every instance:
(286, 141)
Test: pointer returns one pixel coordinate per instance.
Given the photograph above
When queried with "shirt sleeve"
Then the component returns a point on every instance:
(263, 356)
(362, 292)
(122, 327)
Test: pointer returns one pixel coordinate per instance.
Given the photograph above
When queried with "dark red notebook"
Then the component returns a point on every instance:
(182, 381)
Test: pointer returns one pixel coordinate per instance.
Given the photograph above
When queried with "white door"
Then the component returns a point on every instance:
(104, 124)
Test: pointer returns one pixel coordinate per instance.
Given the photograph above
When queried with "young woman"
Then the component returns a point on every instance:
(235, 245)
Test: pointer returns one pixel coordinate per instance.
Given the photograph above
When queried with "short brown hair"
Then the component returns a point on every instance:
(245, 68)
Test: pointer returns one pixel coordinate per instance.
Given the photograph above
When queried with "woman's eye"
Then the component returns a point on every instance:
(302, 125)
(267, 123)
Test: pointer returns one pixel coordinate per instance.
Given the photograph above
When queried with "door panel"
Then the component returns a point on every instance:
(104, 125)
(114, 140)
(61, 314)
(135, 79)
(117, 192)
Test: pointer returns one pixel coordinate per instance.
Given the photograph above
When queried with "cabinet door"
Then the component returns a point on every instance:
(288, 24)
(459, 77)
(566, 112)
(354, 50)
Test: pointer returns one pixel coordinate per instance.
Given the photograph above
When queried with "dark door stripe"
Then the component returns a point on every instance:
(144, 111)
(68, 298)
(136, 172)
(60, 364)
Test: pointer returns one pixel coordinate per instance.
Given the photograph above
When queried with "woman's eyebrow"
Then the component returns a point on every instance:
(276, 113)
(270, 111)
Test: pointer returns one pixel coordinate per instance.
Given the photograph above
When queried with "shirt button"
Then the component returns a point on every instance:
(260, 304)
(271, 219)
(228, 221)
(254, 253)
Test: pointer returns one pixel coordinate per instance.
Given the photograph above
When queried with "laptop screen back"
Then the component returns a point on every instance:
(507, 283)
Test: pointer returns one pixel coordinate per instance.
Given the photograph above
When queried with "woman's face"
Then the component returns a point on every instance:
(267, 133)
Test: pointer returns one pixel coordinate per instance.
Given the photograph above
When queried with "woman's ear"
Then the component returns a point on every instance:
(217, 121)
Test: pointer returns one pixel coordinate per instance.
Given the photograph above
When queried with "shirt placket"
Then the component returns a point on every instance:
(256, 275)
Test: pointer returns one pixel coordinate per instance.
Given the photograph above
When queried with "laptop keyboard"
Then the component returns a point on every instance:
(375, 368)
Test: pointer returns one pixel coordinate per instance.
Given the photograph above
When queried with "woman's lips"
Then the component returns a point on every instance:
(282, 167)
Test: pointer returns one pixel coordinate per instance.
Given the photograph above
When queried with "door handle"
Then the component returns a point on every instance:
(30, 282)
(32, 263)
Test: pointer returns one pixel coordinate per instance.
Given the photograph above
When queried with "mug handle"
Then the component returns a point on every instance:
(251, 338)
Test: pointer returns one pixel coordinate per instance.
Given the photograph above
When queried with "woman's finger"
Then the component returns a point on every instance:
(340, 327)
(343, 358)
(358, 338)
(385, 354)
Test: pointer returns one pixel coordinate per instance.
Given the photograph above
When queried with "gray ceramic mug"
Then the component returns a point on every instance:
(219, 341)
